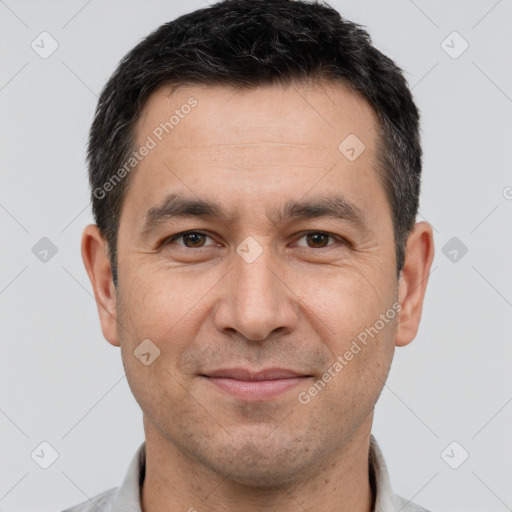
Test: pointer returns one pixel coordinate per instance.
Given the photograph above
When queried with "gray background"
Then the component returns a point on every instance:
(62, 383)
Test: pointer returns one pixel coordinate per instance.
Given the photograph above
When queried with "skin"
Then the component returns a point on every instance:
(299, 305)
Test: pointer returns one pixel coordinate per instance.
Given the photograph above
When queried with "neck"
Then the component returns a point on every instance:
(176, 481)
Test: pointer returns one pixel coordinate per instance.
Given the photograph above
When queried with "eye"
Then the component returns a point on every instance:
(197, 239)
(317, 239)
(191, 239)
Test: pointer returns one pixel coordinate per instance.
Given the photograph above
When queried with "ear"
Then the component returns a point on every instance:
(413, 281)
(97, 264)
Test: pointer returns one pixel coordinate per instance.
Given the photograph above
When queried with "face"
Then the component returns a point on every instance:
(290, 262)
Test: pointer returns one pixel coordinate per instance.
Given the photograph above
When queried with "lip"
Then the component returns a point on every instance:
(248, 375)
(255, 386)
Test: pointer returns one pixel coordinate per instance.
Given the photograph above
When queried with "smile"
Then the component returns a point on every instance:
(255, 386)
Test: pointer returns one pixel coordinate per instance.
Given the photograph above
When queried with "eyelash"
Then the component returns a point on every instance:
(172, 238)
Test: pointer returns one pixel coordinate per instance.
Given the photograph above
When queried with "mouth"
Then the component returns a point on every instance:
(247, 385)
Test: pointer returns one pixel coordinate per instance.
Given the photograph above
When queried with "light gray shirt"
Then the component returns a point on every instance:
(126, 498)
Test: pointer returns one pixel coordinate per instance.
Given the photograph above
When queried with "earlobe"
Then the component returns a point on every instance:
(97, 264)
(413, 281)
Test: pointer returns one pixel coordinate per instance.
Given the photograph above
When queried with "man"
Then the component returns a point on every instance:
(255, 174)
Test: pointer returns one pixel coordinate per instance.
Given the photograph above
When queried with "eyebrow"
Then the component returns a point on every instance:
(179, 206)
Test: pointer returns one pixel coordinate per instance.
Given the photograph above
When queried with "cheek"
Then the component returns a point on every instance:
(358, 370)
(156, 309)
(157, 303)
(169, 309)
(360, 334)
(347, 302)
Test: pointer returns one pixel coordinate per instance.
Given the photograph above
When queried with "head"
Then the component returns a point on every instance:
(288, 148)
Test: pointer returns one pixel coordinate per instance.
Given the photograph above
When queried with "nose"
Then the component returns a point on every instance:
(258, 301)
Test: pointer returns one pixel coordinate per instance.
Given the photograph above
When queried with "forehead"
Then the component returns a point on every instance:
(282, 142)
(222, 115)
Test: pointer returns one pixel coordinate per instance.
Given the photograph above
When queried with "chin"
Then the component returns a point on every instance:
(267, 465)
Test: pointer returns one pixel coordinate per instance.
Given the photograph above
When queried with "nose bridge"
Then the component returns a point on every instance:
(256, 282)
(258, 302)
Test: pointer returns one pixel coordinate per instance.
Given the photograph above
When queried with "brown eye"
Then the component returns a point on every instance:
(317, 240)
(191, 239)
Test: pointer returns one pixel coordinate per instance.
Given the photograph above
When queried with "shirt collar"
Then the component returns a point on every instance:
(385, 499)
(127, 496)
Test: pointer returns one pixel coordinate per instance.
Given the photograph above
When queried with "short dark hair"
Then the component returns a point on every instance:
(246, 44)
